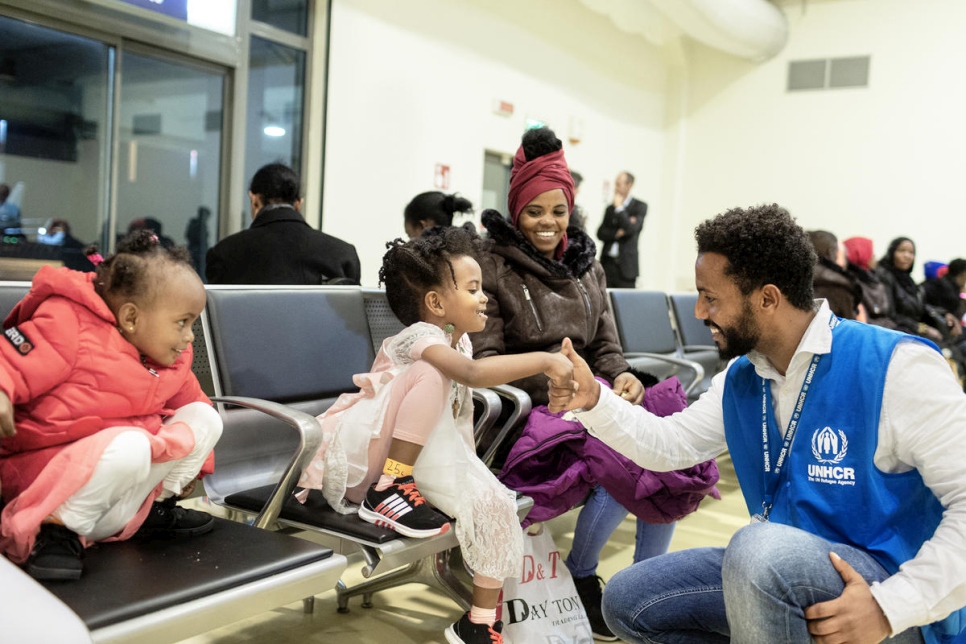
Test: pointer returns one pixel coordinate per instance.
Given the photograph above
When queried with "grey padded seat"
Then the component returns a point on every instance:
(648, 338)
(695, 339)
(279, 357)
(164, 591)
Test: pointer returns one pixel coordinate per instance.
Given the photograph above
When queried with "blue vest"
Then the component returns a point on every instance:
(829, 484)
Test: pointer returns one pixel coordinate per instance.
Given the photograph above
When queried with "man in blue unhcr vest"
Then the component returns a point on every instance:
(848, 442)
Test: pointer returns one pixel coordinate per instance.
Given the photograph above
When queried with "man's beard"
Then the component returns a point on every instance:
(739, 339)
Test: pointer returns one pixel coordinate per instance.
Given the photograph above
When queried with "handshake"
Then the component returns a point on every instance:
(582, 390)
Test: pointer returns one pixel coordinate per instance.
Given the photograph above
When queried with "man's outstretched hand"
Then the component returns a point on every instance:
(585, 390)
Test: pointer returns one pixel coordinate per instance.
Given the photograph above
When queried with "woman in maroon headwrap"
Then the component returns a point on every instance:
(861, 266)
(544, 284)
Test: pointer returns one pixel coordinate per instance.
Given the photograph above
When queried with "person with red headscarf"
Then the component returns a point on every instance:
(543, 284)
(861, 266)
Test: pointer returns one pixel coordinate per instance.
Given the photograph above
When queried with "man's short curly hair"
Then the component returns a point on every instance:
(763, 245)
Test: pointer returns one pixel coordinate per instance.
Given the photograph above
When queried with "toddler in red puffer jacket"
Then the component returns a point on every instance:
(102, 423)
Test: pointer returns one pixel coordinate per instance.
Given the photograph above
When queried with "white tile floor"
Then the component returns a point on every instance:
(415, 614)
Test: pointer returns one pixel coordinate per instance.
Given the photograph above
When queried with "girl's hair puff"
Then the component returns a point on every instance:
(410, 269)
(127, 274)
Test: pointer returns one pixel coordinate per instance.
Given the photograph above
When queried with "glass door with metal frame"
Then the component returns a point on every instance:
(56, 92)
(169, 149)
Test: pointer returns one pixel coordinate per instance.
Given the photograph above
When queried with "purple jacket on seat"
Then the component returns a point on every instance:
(557, 463)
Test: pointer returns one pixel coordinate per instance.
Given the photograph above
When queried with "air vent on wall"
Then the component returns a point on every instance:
(828, 73)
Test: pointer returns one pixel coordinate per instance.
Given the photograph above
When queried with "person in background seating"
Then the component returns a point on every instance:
(102, 423)
(847, 442)
(430, 209)
(280, 247)
(909, 311)
(946, 292)
(860, 264)
(577, 216)
(831, 281)
(72, 249)
(9, 211)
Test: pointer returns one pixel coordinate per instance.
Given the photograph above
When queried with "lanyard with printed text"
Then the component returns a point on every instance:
(772, 477)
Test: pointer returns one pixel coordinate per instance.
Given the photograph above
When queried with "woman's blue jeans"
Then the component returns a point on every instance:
(598, 518)
(755, 590)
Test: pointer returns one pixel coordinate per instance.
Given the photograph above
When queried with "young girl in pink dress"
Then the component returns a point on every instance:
(403, 446)
(102, 423)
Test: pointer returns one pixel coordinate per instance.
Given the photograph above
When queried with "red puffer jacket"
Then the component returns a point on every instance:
(70, 374)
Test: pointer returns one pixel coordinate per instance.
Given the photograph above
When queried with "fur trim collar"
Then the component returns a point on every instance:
(576, 261)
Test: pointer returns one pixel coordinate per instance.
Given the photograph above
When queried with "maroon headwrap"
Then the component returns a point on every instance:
(531, 178)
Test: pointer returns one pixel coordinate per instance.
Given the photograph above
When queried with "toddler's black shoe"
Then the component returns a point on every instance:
(402, 508)
(466, 632)
(590, 595)
(168, 519)
(57, 554)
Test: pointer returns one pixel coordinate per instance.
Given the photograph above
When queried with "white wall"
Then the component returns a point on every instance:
(412, 85)
(879, 162)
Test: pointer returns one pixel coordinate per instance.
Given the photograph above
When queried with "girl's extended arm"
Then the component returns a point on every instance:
(497, 370)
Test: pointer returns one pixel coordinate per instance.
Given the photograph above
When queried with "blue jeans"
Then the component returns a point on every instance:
(755, 590)
(598, 519)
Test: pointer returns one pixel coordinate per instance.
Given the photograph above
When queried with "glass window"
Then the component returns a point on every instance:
(54, 143)
(169, 152)
(290, 15)
(276, 81)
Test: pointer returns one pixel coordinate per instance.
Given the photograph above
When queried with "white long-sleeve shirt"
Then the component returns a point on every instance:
(922, 426)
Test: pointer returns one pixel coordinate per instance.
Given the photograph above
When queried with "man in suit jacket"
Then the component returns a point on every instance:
(280, 247)
(619, 231)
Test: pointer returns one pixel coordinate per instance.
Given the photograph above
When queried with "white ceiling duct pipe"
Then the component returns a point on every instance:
(753, 29)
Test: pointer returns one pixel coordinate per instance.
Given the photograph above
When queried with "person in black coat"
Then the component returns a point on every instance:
(946, 292)
(831, 281)
(909, 310)
(280, 247)
(619, 231)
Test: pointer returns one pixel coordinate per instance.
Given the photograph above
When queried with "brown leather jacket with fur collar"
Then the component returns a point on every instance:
(535, 302)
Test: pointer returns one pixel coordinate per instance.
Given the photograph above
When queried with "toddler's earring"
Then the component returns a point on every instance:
(448, 328)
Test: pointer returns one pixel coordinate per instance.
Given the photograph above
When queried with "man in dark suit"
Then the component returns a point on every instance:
(280, 247)
(619, 231)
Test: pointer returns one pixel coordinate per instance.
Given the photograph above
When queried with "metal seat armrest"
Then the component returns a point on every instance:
(520, 410)
(310, 439)
(491, 406)
(687, 364)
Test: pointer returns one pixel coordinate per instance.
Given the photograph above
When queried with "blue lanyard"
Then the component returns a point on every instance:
(772, 476)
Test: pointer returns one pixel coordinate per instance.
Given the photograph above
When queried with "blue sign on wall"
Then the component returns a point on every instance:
(174, 8)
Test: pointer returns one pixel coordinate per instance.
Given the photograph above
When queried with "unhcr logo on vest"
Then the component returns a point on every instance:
(829, 447)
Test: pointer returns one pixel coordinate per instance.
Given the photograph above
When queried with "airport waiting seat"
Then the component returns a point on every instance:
(695, 339)
(163, 591)
(643, 320)
(279, 357)
(10, 293)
